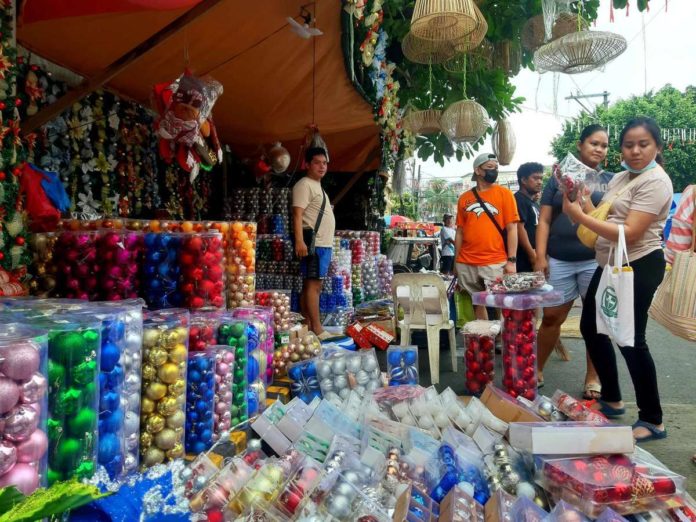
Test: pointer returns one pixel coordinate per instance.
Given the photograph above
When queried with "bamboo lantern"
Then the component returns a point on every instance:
(504, 142)
(420, 50)
(422, 122)
(443, 20)
(579, 52)
(472, 40)
(464, 121)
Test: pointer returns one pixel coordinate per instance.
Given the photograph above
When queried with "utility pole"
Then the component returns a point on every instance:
(577, 97)
(418, 182)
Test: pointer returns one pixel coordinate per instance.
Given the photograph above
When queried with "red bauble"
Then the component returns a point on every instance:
(512, 393)
(530, 394)
(473, 387)
(472, 342)
(194, 244)
(196, 302)
(507, 360)
(580, 467)
(487, 343)
(599, 463)
(598, 478)
(3, 176)
(488, 366)
(520, 386)
(469, 355)
(664, 485)
(215, 515)
(18, 102)
(474, 366)
(600, 495)
(3, 106)
(2, 256)
(215, 273)
(186, 259)
(620, 460)
(483, 378)
(528, 373)
(620, 492)
(520, 362)
(187, 288)
(527, 349)
(469, 376)
(19, 240)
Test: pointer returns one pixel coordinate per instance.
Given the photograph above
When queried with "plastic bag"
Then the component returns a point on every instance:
(572, 174)
(516, 283)
(464, 308)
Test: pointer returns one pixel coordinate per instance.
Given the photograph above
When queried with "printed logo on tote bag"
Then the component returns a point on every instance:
(610, 303)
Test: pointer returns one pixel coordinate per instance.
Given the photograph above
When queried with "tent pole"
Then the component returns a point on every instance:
(352, 181)
(99, 79)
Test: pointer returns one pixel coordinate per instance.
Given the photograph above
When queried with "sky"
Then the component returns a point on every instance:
(667, 55)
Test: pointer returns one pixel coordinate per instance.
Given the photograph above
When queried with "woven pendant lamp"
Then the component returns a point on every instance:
(464, 121)
(443, 19)
(422, 123)
(533, 33)
(579, 52)
(567, 23)
(472, 40)
(504, 142)
(423, 51)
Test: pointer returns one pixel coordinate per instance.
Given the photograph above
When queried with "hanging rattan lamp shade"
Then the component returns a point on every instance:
(443, 19)
(567, 23)
(423, 51)
(504, 142)
(579, 52)
(464, 121)
(422, 122)
(533, 33)
(472, 40)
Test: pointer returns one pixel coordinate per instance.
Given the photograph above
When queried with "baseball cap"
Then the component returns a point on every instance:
(481, 159)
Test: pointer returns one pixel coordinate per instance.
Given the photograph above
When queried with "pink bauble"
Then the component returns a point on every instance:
(228, 357)
(23, 476)
(20, 423)
(21, 361)
(34, 389)
(223, 368)
(82, 270)
(9, 395)
(122, 257)
(32, 449)
(8, 457)
(221, 407)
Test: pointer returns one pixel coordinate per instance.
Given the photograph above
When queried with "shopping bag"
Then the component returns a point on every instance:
(464, 307)
(614, 298)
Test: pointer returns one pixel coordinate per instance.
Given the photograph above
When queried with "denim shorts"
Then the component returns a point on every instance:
(571, 277)
(316, 266)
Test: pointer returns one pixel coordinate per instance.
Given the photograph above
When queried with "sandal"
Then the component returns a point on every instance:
(655, 433)
(592, 391)
(540, 383)
(609, 411)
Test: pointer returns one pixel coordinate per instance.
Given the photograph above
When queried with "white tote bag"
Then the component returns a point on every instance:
(614, 298)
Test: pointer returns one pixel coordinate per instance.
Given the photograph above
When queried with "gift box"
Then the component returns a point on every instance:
(626, 484)
(357, 332)
(570, 438)
(378, 336)
(459, 506)
(506, 408)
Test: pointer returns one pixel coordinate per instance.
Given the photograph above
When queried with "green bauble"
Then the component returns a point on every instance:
(85, 470)
(84, 422)
(224, 331)
(53, 476)
(84, 373)
(92, 340)
(238, 329)
(88, 393)
(242, 341)
(67, 346)
(240, 354)
(56, 374)
(239, 374)
(68, 402)
(234, 410)
(239, 397)
(55, 430)
(67, 455)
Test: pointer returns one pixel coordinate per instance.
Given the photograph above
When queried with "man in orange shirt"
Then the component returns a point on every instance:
(486, 240)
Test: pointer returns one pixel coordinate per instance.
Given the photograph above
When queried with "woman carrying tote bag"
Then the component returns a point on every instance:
(642, 209)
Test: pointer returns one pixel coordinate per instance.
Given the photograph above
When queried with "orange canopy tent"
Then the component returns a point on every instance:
(266, 69)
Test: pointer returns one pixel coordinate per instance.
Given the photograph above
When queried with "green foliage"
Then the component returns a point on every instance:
(671, 109)
(438, 199)
(404, 205)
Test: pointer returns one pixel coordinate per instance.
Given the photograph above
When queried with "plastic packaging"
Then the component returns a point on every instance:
(200, 402)
(525, 301)
(519, 353)
(240, 290)
(402, 365)
(234, 333)
(203, 330)
(224, 386)
(165, 354)
(43, 267)
(516, 283)
(479, 355)
(161, 270)
(119, 256)
(279, 301)
(77, 269)
(23, 407)
(202, 271)
(305, 384)
(572, 174)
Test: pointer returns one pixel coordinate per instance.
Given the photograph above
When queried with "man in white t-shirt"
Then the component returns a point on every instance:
(311, 206)
(447, 235)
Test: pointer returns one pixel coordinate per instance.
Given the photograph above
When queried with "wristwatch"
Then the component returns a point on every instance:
(512, 259)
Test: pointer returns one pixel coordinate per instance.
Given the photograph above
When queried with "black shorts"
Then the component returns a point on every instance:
(446, 264)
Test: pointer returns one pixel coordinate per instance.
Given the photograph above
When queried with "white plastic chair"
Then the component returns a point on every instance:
(426, 307)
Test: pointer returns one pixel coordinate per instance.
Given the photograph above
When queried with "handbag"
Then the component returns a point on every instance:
(309, 235)
(588, 237)
(502, 232)
(614, 298)
(674, 304)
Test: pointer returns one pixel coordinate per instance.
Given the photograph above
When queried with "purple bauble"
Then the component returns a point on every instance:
(24, 477)
(8, 457)
(9, 395)
(34, 389)
(20, 423)
(20, 361)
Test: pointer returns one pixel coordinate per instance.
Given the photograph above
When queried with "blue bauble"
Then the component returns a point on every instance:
(154, 284)
(110, 355)
(150, 239)
(203, 364)
(110, 401)
(411, 375)
(163, 269)
(115, 330)
(309, 369)
(209, 395)
(394, 383)
(111, 422)
(207, 436)
(109, 447)
(397, 374)
(192, 415)
(252, 369)
(103, 383)
(252, 401)
(114, 379)
(295, 372)
(194, 376)
(394, 358)
(198, 447)
(202, 406)
(410, 357)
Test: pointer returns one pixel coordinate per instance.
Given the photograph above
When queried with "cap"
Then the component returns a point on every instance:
(481, 159)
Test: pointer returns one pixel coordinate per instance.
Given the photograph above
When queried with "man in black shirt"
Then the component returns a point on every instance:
(530, 177)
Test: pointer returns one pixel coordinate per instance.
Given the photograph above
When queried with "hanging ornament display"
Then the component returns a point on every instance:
(579, 52)
(278, 158)
(185, 127)
(504, 142)
(424, 51)
(443, 19)
(464, 121)
(423, 122)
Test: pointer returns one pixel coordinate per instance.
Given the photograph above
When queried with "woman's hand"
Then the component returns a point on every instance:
(572, 209)
(542, 265)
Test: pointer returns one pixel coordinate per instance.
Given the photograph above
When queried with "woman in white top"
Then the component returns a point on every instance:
(642, 209)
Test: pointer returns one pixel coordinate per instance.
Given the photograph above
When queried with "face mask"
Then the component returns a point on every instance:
(649, 166)
(490, 175)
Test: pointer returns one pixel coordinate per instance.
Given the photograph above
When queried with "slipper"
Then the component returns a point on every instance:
(540, 384)
(590, 389)
(609, 411)
(655, 434)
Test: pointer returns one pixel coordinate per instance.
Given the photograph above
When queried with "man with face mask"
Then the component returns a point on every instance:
(486, 239)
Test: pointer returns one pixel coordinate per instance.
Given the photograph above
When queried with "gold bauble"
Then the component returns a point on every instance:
(152, 457)
(176, 420)
(155, 391)
(157, 356)
(182, 334)
(168, 373)
(165, 439)
(145, 441)
(176, 452)
(147, 405)
(150, 337)
(274, 473)
(40, 269)
(250, 497)
(181, 400)
(178, 353)
(33, 286)
(49, 283)
(154, 423)
(178, 387)
(149, 372)
(167, 406)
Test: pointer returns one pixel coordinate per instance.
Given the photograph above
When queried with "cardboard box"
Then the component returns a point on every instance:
(457, 506)
(278, 393)
(571, 438)
(239, 440)
(386, 324)
(505, 407)
(494, 507)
